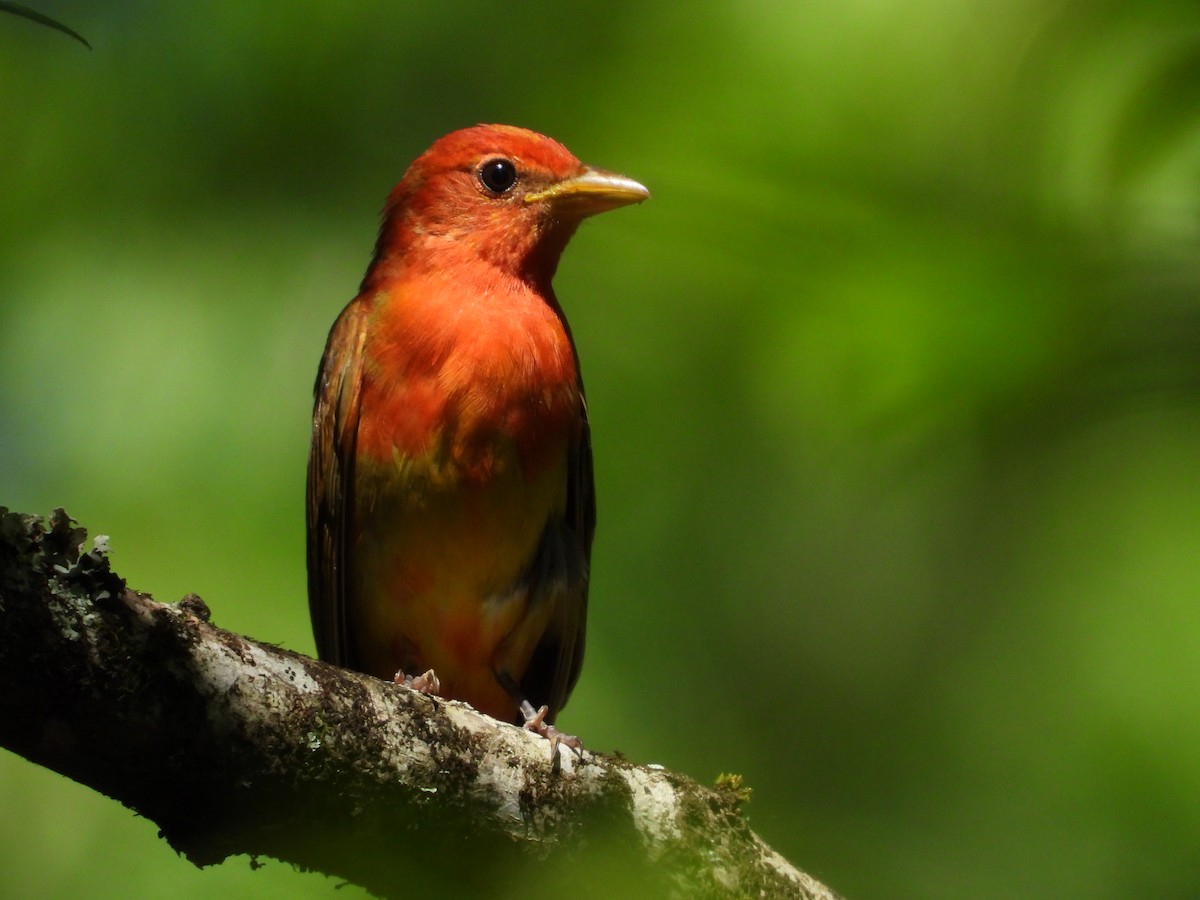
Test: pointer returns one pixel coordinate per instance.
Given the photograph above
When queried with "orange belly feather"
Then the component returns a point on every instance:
(462, 460)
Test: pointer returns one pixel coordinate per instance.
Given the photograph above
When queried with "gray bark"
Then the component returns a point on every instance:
(234, 746)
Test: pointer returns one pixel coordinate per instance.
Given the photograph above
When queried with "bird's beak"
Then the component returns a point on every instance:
(591, 191)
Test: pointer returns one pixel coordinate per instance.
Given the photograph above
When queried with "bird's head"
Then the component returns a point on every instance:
(504, 195)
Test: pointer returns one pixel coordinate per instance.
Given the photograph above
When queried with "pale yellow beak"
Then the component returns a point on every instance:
(590, 192)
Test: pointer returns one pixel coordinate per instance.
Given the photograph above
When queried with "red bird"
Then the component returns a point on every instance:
(450, 496)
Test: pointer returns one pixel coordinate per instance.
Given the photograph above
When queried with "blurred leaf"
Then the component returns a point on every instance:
(33, 15)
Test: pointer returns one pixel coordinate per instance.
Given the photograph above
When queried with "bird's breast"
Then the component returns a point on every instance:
(468, 383)
(469, 405)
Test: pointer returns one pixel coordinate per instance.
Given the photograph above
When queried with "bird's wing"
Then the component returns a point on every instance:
(331, 483)
(564, 557)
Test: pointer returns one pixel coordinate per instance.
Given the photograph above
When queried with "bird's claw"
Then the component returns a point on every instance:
(535, 721)
(424, 684)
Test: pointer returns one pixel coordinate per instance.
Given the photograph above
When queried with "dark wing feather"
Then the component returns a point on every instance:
(331, 483)
(566, 549)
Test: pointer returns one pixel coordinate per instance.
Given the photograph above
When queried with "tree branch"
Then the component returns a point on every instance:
(233, 746)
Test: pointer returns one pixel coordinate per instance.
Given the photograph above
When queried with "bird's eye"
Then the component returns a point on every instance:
(498, 175)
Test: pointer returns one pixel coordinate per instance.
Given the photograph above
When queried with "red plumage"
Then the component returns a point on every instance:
(450, 498)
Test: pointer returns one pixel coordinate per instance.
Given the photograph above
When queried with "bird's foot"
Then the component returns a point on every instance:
(425, 684)
(535, 721)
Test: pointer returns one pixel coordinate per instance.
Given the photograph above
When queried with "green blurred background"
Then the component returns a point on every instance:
(895, 388)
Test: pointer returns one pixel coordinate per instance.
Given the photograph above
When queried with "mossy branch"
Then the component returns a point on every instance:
(233, 746)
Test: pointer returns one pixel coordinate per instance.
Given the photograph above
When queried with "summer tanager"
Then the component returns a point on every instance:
(450, 497)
